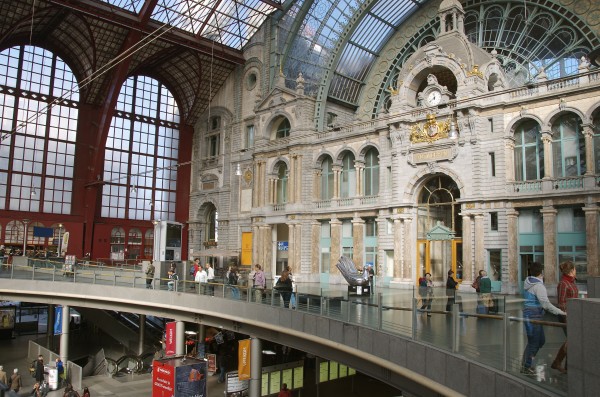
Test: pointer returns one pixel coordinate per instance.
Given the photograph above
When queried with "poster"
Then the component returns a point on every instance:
(236, 387)
(212, 363)
(179, 377)
(333, 370)
(170, 339)
(298, 378)
(286, 377)
(58, 320)
(275, 382)
(7, 318)
(244, 359)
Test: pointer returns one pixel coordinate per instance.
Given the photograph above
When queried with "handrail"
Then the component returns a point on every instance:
(396, 312)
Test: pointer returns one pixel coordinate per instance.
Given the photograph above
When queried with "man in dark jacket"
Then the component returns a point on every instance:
(39, 369)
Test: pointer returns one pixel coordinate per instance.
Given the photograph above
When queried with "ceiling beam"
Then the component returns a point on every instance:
(132, 22)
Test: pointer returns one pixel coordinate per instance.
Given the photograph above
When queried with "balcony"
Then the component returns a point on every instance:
(571, 184)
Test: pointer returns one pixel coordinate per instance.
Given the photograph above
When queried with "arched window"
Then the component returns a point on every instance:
(117, 243)
(283, 129)
(327, 179)
(348, 176)
(148, 243)
(142, 149)
(37, 154)
(15, 232)
(596, 140)
(371, 180)
(529, 152)
(568, 146)
(212, 225)
(282, 183)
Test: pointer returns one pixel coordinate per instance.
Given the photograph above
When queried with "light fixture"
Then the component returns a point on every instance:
(190, 332)
(33, 192)
(238, 170)
(453, 134)
(133, 189)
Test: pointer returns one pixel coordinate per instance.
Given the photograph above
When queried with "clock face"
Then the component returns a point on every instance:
(434, 98)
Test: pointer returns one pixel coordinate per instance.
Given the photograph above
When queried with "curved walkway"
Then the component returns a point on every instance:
(382, 336)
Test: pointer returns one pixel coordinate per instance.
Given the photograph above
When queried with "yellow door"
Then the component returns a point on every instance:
(437, 257)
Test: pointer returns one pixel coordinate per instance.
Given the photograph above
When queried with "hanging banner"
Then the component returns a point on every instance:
(58, 320)
(170, 339)
(244, 359)
(65, 243)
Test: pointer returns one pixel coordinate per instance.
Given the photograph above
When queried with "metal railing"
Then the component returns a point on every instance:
(492, 335)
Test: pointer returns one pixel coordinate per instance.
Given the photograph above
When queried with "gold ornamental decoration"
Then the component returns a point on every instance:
(431, 131)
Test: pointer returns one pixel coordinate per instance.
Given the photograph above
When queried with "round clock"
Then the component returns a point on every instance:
(434, 98)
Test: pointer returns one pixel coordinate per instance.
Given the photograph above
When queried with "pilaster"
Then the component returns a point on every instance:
(478, 236)
(588, 134)
(591, 234)
(398, 248)
(358, 236)
(408, 244)
(509, 153)
(548, 162)
(549, 219)
(467, 246)
(336, 244)
(512, 217)
(315, 247)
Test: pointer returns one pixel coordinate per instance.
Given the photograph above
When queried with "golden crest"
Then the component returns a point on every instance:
(431, 131)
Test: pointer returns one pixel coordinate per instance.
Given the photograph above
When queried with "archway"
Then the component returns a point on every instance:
(439, 229)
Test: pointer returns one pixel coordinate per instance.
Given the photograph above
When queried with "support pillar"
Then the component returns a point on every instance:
(509, 158)
(255, 367)
(550, 266)
(142, 335)
(358, 237)
(64, 336)
(336, 244)
(180, 338)
(398, 251)
(316, 248)
(478, 236)
(512, 218)
(548, 162)
(591, 235)
(408, 243)
(467, 246)
(588, 134)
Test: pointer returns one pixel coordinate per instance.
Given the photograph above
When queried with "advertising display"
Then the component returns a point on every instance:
(58, 318)
(170, 339)
(212, 363)
(7, 318)
(179, 377)
(236, 387)
(244, 359)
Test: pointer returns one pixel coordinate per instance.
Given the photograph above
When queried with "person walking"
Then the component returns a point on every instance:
(15, 381)
(210, 279)
(60, 368)
(259, 283)
(39, 369)
(201, 279)
(566, 289)
(536, 301)
(451, 285)
(150, 275)
(284, 287)
(285, 392)
(485, 292)
(293, 296)
(3, 377)
(426, 292)
(232, 280)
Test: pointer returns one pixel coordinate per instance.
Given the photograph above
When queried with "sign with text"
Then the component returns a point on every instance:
(179, 377)
(235, 386)
(170, 339)
(244, 359)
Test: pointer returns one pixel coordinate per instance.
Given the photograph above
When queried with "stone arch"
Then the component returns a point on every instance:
(273, 123)
(414, 185)
(321, 157)
(337, 160)
(594, 109)
(362, 151)
(512, 124)
(276, 162)
(561, 112)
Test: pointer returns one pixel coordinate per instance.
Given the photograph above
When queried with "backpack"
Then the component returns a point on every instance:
(193, 269)
(476, 283)
(422, 282)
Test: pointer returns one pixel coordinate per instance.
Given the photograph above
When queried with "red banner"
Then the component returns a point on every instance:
(170, 339)
(244, 359)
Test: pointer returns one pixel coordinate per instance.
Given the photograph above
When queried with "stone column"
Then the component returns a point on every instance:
(296, 269)
(548, 162)
(292, 246)
(550, 266)
(467, 247)
(292, 180)
(297, 179)
(180, 338)
(336, 181)
(512, 219)
(317, 184)
(255, 245)
(509, 158)
(336, 244)
(398, 251)
(315, 247)
(591, 234)
(588, 133)
(409, 242)
(478, 236)
(359, 166)
(266, 258)
(358, 237)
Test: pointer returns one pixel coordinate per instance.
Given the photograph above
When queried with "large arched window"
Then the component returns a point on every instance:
(283, 128)
(38, 116)
(140, 163)
(596, 140)
(282, 184)
(568, 146)
(371, 180)
(327, 179)
(529, 152)
(348, 182)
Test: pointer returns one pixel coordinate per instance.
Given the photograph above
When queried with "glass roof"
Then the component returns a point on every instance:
(228, 22)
